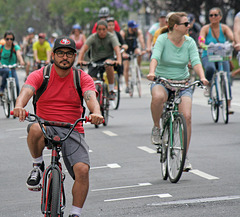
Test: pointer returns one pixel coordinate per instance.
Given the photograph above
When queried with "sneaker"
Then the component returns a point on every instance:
(187, 165)
(230, 112)
(112, 95)
(33, 181)
(207, 91)
(127, 90)
(155, 137)
(74, 215)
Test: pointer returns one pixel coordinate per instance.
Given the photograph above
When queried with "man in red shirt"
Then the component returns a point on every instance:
(61, 102)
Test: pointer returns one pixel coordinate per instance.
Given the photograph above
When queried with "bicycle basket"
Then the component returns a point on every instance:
(219, 52)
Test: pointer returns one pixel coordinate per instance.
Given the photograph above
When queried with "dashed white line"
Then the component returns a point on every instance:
(123, 187)
(203, 175)
(15, 129)
(149, 150)
(109, 133)
(139, 197)
(112, 166)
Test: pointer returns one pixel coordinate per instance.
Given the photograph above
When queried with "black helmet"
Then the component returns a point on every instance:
(103, 12)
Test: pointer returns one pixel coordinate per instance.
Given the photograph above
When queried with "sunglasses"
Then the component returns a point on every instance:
(213, 15)
(8, 39)
(185, 24)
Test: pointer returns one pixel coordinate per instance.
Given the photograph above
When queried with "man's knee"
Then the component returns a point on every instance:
(81, 171)
(34, 129)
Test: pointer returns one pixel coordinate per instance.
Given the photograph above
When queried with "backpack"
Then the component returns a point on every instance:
(1, 50)
(43, 87)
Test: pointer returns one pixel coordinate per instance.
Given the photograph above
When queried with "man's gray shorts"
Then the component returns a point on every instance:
(74, 149)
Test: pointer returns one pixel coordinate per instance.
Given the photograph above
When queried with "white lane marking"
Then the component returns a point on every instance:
(203, 175)
(22, 137)
(149, 150)
(197, 200)
(15, 129)
(109, 133)
(112, 166)
(122, 187)
(236, 104)
(139, 197)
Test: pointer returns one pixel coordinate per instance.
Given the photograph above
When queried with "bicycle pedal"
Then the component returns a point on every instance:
(38, 188)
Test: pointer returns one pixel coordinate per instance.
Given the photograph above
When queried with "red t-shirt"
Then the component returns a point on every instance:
(117, 27)
(60, 101)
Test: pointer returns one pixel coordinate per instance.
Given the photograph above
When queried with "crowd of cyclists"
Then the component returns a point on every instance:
(173, 44)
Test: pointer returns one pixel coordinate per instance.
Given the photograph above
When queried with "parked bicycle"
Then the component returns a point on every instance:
(53, 200)
(9, 97)
(134, 75)
(174, 133)
(220, 90)
(102, 88)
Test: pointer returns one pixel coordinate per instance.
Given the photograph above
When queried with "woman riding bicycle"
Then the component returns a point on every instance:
(10, 54)
(215, 32)
(170, 58)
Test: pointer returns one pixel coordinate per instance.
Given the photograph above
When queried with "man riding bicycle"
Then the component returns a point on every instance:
(102, 46)
(61, 102)
(41, 50)
(132, 35)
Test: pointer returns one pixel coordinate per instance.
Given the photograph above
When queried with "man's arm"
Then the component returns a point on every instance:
(141, 39)
(149, 42)
(118, 54)
(93, 106)
(82, 52)
(236, 32)
(25, 95)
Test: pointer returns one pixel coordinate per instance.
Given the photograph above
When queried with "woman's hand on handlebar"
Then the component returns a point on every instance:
(96, 119)
(151, 77)
(204, 81)
(21, 113)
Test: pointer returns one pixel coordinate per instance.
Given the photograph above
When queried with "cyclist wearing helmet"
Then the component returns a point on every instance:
(103, 15)
(28, 49)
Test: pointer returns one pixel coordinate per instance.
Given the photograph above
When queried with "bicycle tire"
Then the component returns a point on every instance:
(56, 192)
(130, 83)
(224, 103)
(105, 105)
(98, 88)
(138, 81)
(163, 158)
(214, 103)
(13, 97)
(115, 103)
(176, 153)
(6, 104)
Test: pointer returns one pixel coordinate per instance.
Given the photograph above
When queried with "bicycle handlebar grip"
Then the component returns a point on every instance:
(11, 113)
(87, 120)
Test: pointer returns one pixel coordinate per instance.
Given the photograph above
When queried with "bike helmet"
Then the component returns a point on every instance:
(30, 30)
(103, 12)
(76, 26)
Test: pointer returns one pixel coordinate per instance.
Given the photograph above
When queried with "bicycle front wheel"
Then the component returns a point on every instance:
(115, 103)
(224, 103)
(176, 153)
(214, 103)
(163, 158)
(6, 104)
(138, 81)
(56, 192)
(105, 104)
(13, 97)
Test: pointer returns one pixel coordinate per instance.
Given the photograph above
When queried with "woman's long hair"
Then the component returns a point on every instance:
(12, 47)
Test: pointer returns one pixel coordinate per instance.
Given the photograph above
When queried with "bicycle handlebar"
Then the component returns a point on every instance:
(179, 86)
(11, 66)
(42, 122)
(96, 64)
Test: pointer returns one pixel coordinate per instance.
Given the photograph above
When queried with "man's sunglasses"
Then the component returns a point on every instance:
(185, 24)
(62, 53)
(213, 15)
(8, 39)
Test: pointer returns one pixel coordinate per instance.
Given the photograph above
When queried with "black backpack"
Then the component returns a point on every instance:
(46, 76)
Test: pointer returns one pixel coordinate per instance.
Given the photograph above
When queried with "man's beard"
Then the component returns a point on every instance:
(64, 67)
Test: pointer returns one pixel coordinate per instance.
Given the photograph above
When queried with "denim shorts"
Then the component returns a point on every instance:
(187, 92)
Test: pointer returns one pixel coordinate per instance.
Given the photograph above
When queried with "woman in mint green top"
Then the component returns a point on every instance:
(10, 53)
(171, 54)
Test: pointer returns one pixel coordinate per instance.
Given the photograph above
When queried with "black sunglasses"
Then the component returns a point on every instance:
(215, 15)
(185, 24)
(8, 39)
(62, 53)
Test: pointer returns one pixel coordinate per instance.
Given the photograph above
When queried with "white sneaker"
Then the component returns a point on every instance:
(155, 137)
(187, 165)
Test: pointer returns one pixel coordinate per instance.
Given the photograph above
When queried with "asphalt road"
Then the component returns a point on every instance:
(125, 177)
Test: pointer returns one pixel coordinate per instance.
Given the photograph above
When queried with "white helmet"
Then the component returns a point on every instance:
(103, 12)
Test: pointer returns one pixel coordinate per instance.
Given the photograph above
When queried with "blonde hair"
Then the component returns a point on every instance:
(217, 9)
(173, 18)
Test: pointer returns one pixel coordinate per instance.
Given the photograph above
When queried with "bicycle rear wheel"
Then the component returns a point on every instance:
(13, 97)
(214, 103)
(224, 103)
(176, 153)
(163, 158)
(105, 105)
(6, 103)
(138, 81)
(115, 103)
(130, 82)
